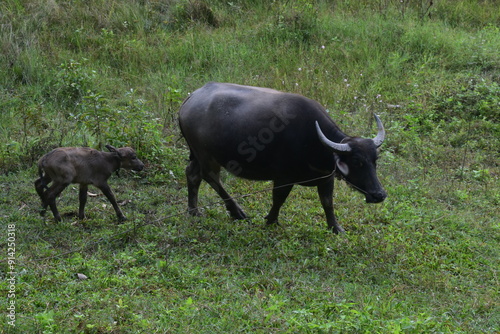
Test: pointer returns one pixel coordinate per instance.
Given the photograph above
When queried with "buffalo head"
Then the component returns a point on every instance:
(356, 161)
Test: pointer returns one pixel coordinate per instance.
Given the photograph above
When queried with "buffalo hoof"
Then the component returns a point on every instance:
(43, 211)
(271, 221)
(239, 215)
(338, 229)
(194, 212)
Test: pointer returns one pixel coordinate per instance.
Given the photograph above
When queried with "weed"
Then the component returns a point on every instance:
(474, 100)
(71, 83)
(186, 12)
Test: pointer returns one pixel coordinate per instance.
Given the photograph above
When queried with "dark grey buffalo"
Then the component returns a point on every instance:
(263, 134)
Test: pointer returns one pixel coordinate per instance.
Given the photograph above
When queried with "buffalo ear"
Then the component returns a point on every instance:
(111, 148)
(343, 167)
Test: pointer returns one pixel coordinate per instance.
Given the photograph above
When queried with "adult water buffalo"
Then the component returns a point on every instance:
(263, 134)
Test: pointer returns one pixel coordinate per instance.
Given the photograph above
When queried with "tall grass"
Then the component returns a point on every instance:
(350, 57)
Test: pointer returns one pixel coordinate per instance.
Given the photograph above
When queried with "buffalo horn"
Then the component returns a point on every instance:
(337, 147)
(379, 139)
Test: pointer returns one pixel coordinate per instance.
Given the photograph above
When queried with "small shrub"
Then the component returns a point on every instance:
(465, 13)
(185, 12)
(71, 83)
(475, 99)
(97, 116)
(296, 22)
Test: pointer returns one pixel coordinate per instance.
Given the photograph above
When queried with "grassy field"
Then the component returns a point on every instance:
(90, 73)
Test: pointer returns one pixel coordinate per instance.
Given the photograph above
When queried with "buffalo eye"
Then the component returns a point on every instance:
(357, 162)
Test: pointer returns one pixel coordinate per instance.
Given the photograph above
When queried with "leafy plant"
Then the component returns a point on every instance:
(46, 321)
(476, 99)
(183, 13)
(71, 83)
(294, 22)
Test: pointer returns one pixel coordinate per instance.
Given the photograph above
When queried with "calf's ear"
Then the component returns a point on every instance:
(111, 148)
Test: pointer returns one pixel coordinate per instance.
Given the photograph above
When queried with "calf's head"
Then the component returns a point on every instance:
(128, 158)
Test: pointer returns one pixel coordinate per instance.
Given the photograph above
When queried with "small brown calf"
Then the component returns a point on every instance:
(82, 165)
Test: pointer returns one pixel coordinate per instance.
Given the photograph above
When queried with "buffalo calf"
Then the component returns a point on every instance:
(82, 165)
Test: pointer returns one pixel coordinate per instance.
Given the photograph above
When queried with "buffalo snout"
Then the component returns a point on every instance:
(138, 166)
(376, 197)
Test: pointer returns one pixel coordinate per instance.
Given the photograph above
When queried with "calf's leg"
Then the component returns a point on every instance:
(82, 196)
(40, 184)
(50, 198)
(106, 190)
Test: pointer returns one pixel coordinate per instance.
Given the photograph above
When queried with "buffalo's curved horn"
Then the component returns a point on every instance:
(337, 147)
(379, 139)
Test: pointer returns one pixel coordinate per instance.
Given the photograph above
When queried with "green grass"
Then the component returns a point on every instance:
(92, 73)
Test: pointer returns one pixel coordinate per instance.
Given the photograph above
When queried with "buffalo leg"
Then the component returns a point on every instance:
(83, 200)
(193, 176)
(40, 184)
(280, 193)
(106, 190)
(213, 178)
(325, 191)
(50, 198)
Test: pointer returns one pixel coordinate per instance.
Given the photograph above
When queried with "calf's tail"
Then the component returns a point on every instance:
(40, 173)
